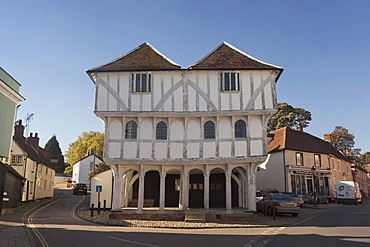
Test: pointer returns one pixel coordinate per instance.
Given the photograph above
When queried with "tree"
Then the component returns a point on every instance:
(364, 159)
(342, 140)
(57, 158)
(99, 168)
(82, 146)
(288, 116)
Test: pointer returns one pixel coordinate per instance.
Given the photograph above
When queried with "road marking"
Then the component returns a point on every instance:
(30, 224)
(132, 242)
(74, 213)
(264, 237)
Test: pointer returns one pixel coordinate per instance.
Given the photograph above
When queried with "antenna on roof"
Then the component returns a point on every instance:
(29, 117)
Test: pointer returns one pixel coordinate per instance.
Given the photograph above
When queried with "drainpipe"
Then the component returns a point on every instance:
(26, 183)
(285, 172)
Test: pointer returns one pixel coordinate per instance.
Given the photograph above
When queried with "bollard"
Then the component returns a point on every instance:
(274, 213)
(105, 205)
(92, 210)
(99, 207)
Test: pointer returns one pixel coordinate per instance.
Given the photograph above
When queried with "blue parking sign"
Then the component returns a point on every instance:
(99, 188)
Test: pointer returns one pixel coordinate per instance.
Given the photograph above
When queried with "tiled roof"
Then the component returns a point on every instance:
(37, 154)
(143, 58)
(289, 139)
(227, 57)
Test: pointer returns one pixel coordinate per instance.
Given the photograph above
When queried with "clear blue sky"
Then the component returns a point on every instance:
(323, 46)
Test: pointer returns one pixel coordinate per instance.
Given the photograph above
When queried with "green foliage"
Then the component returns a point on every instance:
(99, 168)
(57, 158)
(364, 159)
(82, 146)
(342, 139)
(288, 116)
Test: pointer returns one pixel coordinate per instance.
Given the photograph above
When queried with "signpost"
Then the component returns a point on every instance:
(99, 189)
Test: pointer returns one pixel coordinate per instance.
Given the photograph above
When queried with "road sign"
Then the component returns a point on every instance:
(99, 188)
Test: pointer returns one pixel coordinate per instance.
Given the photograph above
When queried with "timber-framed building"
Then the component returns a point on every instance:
(184, 138)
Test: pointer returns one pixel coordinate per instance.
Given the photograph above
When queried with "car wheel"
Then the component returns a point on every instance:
(295, 215)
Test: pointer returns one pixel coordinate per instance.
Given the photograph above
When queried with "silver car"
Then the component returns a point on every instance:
(282, 203)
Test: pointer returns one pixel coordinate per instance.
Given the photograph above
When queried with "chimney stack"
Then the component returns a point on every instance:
(19, 130)
(33, 140)
(300, 127)
(327, 137)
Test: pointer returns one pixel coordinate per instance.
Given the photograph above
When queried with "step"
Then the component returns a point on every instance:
(195, 215)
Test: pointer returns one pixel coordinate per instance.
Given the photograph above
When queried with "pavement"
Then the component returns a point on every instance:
(14, 232)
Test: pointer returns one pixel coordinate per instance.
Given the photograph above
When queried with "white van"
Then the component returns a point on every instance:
(348, 191)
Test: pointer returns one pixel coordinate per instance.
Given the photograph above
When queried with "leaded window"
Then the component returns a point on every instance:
(240, 129)
(229, 81)
(131, 130)
(209, 130)
(161, 131)
(141, 82)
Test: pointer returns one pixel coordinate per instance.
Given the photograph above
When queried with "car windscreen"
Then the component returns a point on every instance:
(283, 197)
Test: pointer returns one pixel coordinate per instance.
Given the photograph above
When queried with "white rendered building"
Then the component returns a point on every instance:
(82, 168)
(185, 138)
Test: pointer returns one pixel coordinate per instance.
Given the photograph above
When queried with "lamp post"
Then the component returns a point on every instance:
(313, 170)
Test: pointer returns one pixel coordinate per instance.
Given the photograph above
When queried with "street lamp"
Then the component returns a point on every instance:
(313, 170)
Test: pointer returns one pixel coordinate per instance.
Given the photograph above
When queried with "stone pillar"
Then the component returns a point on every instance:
(206, 190)
(251, 178)
(184, 190)
(162, 191)
(140, 202)
(228, 189)
(116, 200)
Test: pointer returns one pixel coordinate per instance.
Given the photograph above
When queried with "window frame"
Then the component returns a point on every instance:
(131, 131)
(240, 133)
(209, 134)
(161, 131)
(229, 81)
(137, 82)
(301, 163)
(317, 162)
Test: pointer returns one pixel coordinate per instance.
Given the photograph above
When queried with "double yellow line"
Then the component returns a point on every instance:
(29, 224)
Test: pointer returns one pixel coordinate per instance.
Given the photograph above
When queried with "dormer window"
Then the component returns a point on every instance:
(141, 82)
(229, 81)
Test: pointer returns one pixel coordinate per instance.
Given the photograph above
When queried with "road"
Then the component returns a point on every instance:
(347, 225)
(56, 225)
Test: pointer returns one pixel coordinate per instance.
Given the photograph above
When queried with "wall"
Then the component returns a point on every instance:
(104, 179)
(273, 177)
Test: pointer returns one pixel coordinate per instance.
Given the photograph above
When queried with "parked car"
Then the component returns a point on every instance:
(259, 196)
(320, 198)
(297, 198)
(281, 202)
(80, 189)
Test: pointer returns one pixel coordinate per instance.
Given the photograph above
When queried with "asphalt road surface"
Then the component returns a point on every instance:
(57, 225)
(347, 225)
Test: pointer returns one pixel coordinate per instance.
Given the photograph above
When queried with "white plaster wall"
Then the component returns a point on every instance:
(147, 102)
(193, 150)
(146, 128)
(225, 149)
(124, 91)
(235, 101)
(257, 82)
(115, 128)
(224, 131)
(209, 149)
(104, 179)
(193, 129)
(273, 177)
(176, 150)
(224, 101)
(129, 151)
(176, 130)
(178, 100)
(112, 80)
(102, 98)
(114, 150)
(135, 101)
(145, 150)
(256, 147)
(214, 87)
(241, 148)
(192, 101)
(268, 96)
(160, 151)
(246, 87)
(255, 127)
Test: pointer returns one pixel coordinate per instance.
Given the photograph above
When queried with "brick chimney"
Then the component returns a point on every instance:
(33, 140)
(300, 127)
(19, 130)
(327, 137)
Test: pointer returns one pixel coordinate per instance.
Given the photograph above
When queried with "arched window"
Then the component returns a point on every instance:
(161, 132)
(209, 130)
(240, 129)
(131, 130)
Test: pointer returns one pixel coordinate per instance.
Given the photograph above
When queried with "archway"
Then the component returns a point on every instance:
(173, 188)
(217, 188)
(151, 189)
(196, 189)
